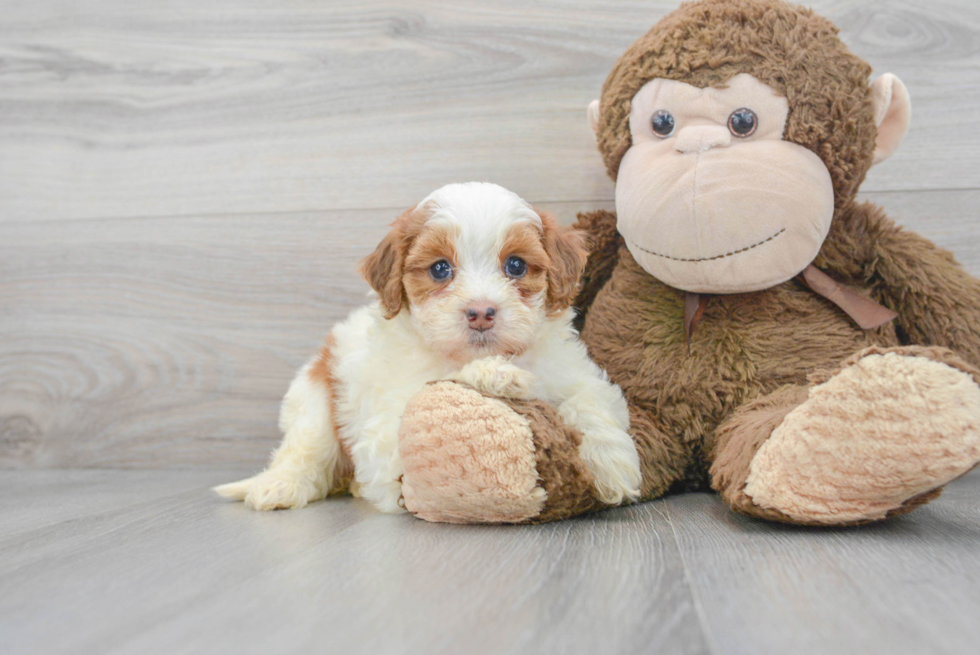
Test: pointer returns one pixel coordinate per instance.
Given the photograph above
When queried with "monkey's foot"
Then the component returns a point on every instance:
(879, 438)
(472, 458)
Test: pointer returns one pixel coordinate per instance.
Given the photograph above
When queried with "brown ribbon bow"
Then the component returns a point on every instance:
(865, 312)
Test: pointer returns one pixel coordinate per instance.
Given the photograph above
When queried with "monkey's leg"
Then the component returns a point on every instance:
(877, 438)
(472, 458)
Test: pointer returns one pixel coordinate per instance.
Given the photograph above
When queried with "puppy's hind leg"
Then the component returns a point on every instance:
(302, 468)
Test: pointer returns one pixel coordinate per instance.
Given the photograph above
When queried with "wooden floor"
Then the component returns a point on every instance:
(185, 188)
(97, 561)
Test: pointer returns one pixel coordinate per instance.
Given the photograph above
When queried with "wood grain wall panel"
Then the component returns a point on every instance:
(168, 342)
(111, 109)
(186, 187)
(155, 342)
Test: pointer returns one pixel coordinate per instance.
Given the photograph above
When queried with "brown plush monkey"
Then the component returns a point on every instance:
(790, 348)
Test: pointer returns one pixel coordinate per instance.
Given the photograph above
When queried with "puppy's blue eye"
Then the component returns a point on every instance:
(441, 270)
(515, 267)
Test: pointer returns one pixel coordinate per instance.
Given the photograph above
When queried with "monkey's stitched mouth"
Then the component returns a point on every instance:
(708, 259)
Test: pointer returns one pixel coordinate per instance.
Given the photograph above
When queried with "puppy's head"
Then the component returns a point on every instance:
(478, 270)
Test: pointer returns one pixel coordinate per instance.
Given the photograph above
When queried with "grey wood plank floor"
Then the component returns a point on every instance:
(906, 586)
(150, 562)
(185, 188)
(144, 572)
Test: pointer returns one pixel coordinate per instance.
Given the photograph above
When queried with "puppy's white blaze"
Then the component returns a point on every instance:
(377, 365)
(480, 215)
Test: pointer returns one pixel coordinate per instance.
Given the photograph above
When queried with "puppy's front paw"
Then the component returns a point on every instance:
(496, 376)
(272, 489)
(614, 464)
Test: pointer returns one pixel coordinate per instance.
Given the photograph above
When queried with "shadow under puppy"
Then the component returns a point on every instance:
(472, 285)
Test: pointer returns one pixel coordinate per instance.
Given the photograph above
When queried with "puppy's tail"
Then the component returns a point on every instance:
(235, 490)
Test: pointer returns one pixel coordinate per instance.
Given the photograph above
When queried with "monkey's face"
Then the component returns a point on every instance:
(710, 198)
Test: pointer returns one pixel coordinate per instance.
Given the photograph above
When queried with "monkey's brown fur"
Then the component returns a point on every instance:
(699, 415)
(752, 353)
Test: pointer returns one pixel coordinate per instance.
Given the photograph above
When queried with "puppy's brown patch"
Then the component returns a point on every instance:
(526, 241)
(322, 372)
(433, 243)
(567, 254)
(384, 268)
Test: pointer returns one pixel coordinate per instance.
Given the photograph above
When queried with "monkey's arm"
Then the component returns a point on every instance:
(604, 243)
(938, 303)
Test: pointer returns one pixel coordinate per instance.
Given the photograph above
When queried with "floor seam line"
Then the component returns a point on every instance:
(698, 608)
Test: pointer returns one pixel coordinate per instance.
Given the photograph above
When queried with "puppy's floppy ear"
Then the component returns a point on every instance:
(568, 254)
(384, 267)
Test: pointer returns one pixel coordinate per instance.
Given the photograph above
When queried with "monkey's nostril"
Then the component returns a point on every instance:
(491, 312)
(471, 314)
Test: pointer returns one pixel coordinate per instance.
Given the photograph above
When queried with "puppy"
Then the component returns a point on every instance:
(473, 285)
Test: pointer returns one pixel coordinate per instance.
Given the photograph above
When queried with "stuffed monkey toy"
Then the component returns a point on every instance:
(776, 340)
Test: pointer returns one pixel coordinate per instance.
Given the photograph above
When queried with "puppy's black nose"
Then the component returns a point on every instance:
(481, 318)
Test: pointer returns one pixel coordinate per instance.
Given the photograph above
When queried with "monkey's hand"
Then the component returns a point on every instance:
(938, 303)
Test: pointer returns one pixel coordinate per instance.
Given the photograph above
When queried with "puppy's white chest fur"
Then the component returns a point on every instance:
(378, 365)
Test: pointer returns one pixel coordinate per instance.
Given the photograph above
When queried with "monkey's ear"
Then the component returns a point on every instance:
(567, 251)
(384, 267)
(893, 113)
(594, 116)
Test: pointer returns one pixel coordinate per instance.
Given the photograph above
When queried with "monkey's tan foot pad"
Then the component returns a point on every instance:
(884, 432)
(472, 458)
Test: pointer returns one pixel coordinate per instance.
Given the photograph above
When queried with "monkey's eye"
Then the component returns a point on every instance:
(743, 122)
(441, 270)
(662, 123)
(515, 267)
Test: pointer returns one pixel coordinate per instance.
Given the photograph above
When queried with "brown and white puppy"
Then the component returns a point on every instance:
(474, 285)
